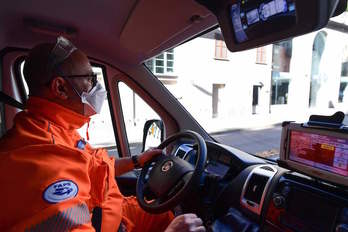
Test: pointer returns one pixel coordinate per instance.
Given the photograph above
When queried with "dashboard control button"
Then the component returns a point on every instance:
(285, 191)
(279, 201)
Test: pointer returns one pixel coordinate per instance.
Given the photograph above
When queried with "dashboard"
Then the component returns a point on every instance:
(218, 163)
(267, 196)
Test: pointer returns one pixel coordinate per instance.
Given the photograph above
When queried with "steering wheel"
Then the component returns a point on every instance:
(168, 179)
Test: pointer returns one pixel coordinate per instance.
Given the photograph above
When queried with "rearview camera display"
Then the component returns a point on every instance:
(256, 18)
(319, 151)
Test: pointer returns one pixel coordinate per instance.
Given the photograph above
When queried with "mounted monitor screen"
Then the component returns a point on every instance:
(319, 151)
(252, 19)
(247, 24)
(316, 152)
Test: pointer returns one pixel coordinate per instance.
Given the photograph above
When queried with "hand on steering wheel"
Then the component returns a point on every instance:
(171, 178)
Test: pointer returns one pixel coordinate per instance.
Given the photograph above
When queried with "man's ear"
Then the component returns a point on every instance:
(59, 88)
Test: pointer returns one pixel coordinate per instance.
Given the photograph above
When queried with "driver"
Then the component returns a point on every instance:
(51, 179)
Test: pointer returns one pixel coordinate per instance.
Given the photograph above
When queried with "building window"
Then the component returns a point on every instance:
(215, 98)
(318, 80)
(343, 91)
(162, 64)
(261, 55)
(220, 50)
(282, 53)
(280, 88)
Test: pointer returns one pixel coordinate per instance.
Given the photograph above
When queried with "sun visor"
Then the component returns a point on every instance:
(155, 22)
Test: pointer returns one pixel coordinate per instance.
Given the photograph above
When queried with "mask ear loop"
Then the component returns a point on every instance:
(87, 134)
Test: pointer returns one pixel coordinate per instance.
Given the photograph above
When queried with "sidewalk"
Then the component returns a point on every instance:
(214, 126)
(259, 121)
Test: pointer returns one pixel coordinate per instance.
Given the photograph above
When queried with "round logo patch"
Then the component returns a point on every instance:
(60, 191)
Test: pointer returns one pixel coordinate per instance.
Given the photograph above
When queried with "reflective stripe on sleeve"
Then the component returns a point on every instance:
(65, 220)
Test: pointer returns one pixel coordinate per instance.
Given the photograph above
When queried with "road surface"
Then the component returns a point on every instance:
(264, 142)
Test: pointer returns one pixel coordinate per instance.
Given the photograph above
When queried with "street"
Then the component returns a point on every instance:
(259, 142)
(264, 142)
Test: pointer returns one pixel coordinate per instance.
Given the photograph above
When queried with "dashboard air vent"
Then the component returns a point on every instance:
(183, 150)
(268, 168)
(180, 153)
(256, 186)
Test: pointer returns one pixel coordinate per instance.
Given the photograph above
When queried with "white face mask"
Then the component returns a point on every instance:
(93, 100)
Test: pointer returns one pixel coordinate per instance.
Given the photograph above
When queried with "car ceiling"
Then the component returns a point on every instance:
(119, 32)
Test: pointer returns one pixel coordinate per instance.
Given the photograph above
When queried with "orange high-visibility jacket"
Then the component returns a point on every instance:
(49, 178)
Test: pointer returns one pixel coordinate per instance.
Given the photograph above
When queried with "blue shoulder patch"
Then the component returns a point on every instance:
(81, 144)
(60, 191)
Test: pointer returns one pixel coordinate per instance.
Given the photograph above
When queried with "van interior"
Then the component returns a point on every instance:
(132, 45)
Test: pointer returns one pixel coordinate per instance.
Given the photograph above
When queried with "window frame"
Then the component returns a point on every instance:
(106, 83)
(122, 100)
(170, 124)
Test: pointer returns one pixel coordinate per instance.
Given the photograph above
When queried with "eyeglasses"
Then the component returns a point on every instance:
(91, 77)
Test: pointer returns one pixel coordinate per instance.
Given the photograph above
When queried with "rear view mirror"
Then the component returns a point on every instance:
(247, 24)
(153, 134)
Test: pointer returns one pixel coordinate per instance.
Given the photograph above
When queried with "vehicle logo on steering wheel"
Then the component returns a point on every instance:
(167, 166)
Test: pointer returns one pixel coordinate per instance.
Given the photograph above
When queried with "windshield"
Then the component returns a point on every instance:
(242, 98)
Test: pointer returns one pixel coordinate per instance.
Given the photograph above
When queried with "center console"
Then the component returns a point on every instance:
(299, 204)
(306, 191)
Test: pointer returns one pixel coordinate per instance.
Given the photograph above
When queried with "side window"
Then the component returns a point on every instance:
(23, 80)
(100, 129)
(136, 113)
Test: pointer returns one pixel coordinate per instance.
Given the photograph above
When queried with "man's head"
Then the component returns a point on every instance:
(60, 73)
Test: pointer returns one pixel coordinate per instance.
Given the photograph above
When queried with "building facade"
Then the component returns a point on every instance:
(294, 77)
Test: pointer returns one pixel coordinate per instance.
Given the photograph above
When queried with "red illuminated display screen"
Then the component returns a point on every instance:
(319, 151)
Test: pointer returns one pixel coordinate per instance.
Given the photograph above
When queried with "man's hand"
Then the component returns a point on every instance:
(148, 155)
(186, 223)
(123, 165)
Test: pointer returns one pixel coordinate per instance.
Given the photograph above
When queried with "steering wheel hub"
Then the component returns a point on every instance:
(167, 165)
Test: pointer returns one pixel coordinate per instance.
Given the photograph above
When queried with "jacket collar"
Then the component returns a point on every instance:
(56, 113)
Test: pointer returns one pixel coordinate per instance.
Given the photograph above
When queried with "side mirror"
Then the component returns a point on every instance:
(153, 134)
